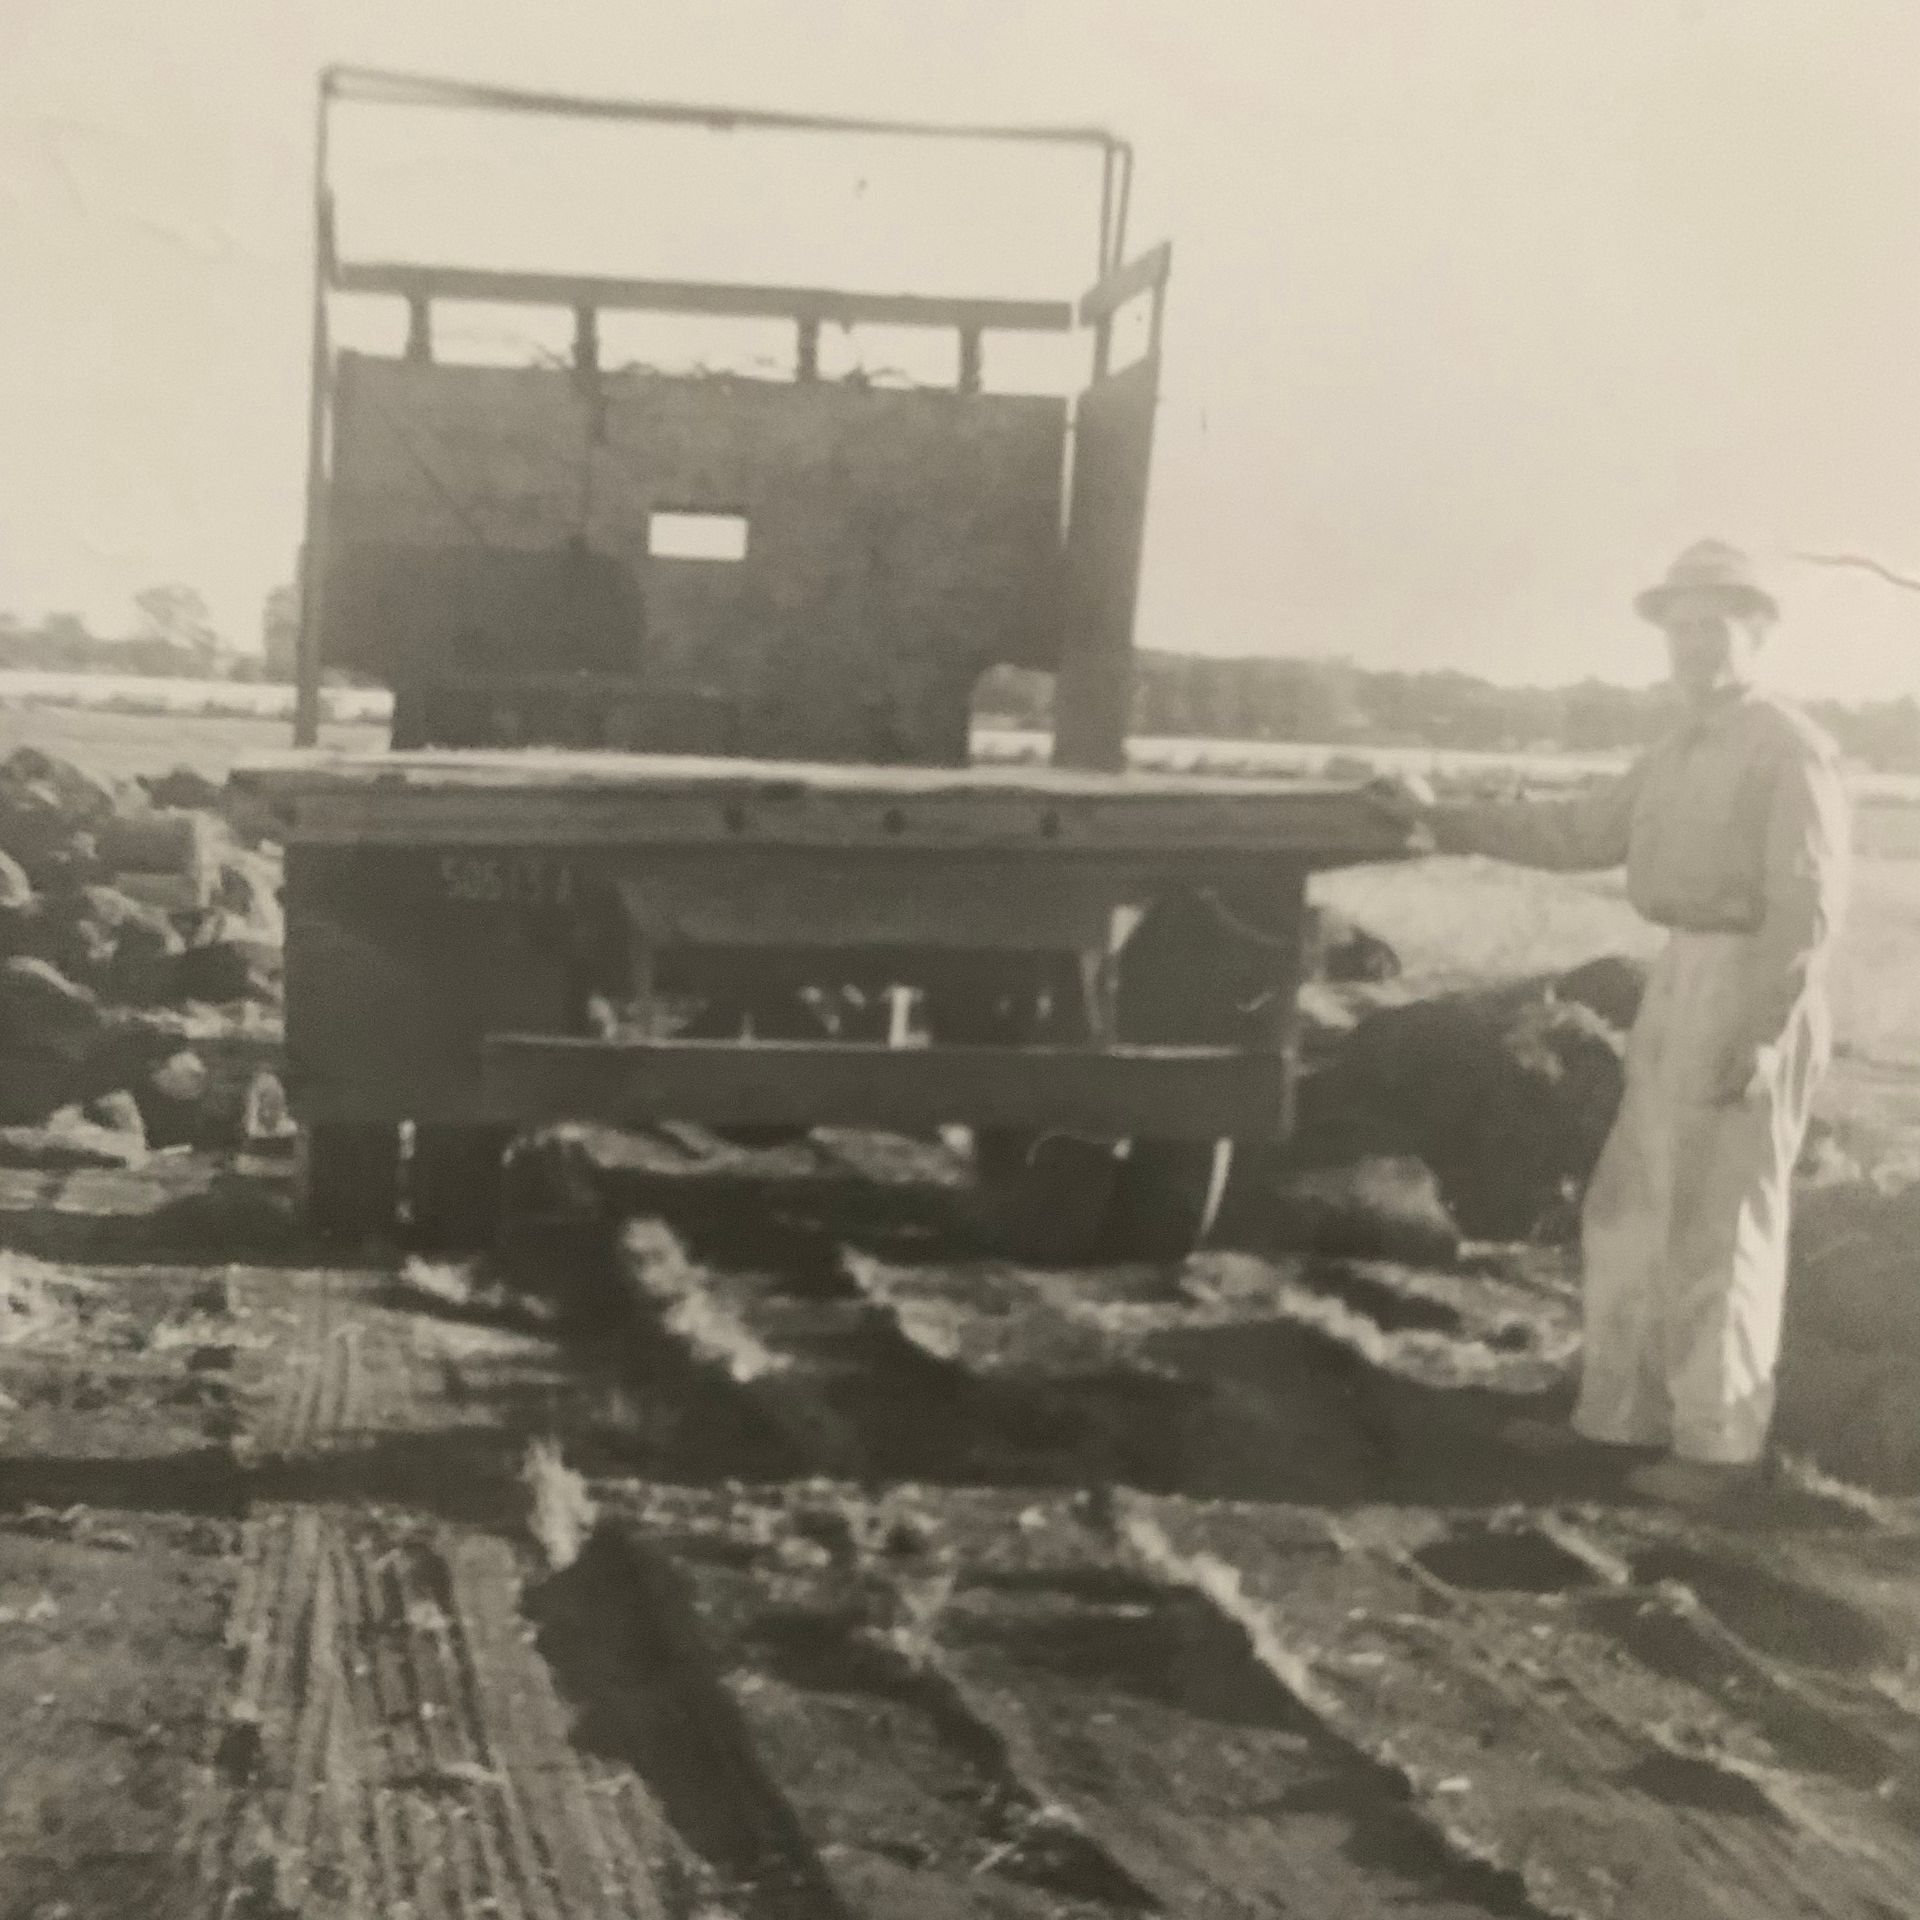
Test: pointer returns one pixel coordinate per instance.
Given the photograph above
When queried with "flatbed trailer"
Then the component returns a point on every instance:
(685, 666)
(449, 915)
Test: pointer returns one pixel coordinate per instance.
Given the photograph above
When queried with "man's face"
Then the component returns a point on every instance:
(1711, 643)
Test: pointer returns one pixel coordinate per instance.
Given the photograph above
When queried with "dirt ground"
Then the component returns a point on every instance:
(819, 1567)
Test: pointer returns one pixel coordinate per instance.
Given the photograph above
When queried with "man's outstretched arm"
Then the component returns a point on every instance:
(1583, 834)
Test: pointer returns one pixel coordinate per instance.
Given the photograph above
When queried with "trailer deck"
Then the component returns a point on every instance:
(543, 798)
(446, 909)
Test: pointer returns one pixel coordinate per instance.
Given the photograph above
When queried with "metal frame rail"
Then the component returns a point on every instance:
(420, 284)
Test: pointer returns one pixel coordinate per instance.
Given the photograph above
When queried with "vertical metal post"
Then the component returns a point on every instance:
(969, 359)
(419, 329)
(807, 365)
(1283, 911)
(586, 342)
(313, 557)
(1125, 205)
(1106, 214)
(643, 985)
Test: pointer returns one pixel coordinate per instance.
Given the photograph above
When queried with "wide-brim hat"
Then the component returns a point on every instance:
(1709, 569)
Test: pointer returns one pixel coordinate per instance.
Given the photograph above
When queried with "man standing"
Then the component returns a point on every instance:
(1734, 833)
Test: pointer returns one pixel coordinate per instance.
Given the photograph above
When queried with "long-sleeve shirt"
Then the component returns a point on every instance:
(1737, 821)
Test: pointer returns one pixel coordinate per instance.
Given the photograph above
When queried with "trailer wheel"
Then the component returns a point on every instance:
(454, 1183)
(1038, 1197)
(1183, 980)
(1052, 1209)
(350, 1180)
(1000, 1153)
(1166, 1198)
(993, 1010)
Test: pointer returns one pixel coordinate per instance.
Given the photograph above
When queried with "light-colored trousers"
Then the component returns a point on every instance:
(1684, 1232)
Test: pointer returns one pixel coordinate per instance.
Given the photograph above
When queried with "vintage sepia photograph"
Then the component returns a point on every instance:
(959, 957)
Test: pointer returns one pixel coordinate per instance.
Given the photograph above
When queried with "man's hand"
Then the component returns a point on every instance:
(1744, 1075)
(1405, 797)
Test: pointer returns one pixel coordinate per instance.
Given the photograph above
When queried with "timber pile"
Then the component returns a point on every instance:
(140, 962)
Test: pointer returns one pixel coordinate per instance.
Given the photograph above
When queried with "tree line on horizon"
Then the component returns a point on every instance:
(173, 637)
(1334, 703)
(1323, 702)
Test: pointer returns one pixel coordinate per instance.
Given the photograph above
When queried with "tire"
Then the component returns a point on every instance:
(1177, 987)
(350, 1181)
(1167, 1195)
(1000, 1153)
(454, 1184)
(1053, 1209)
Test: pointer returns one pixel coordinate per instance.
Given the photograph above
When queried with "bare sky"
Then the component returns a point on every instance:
(1481, 308)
